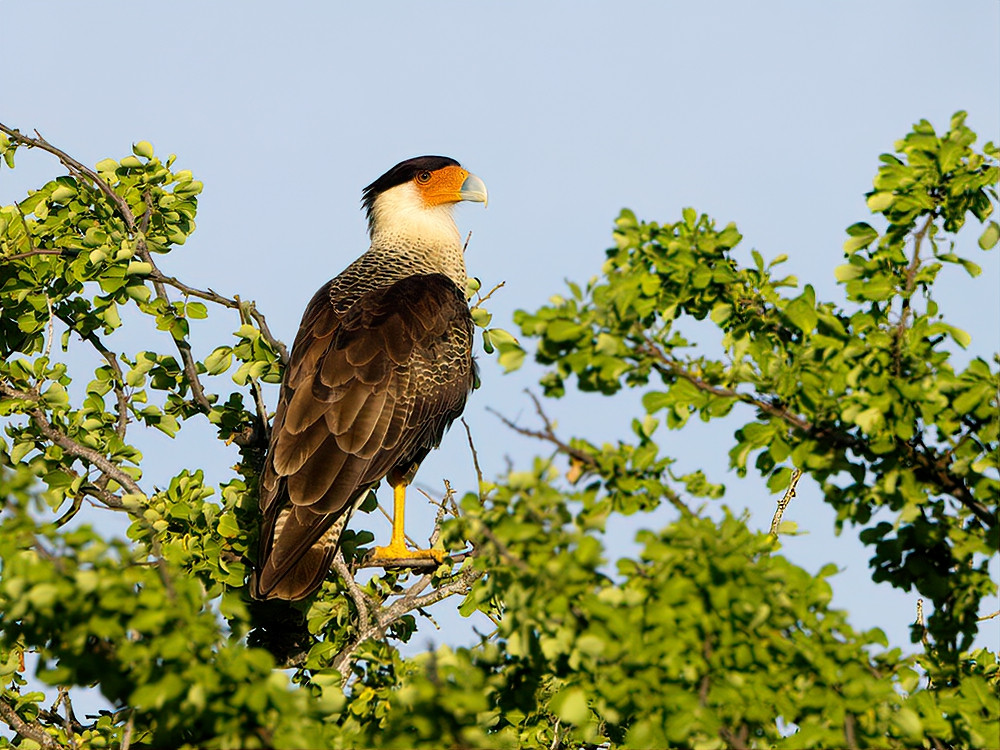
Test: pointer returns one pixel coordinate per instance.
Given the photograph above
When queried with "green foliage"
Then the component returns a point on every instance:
(863, 397)
(709, 637)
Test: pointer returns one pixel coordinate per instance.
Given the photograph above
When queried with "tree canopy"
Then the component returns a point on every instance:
(708, 637)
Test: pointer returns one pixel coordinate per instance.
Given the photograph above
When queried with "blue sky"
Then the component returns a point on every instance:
(769, 114)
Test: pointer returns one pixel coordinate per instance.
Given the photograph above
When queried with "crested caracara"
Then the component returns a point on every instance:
(381, 366)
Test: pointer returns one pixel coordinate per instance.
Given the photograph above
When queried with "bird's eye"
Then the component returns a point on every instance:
(423, 177)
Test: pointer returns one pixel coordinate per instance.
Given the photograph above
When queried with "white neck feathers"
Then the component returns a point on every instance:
(404, 225)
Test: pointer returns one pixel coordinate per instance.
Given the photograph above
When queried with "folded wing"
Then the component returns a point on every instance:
(370, 389)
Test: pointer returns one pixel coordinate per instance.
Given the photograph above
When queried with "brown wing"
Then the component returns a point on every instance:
(368, 391)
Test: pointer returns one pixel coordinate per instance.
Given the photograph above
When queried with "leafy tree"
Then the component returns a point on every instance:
(708, 638)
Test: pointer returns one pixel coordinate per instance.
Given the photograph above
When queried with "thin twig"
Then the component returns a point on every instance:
(582, 457)
(475, 459)
(784, 501)
(50, 327)
(547, 433)
(920, 622)
(904, 314)
(484, 298)
(989, 617)
(850, 723)
(30, 253)
(76, 169)
(127, 734)
(182, 344)
(733, 740)
(235, 304)
(118, 381)
(70, 720)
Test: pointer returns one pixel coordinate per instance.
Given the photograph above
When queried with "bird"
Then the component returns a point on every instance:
(380, 367)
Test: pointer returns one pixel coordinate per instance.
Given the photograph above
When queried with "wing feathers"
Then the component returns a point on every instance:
(290, 455)
(375, 379)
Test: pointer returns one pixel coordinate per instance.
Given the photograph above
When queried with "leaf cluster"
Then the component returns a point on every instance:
(863, 396)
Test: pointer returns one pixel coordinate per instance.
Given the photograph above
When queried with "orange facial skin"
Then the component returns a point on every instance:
(449, 185)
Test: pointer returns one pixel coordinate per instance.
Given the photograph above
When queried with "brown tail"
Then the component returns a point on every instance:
(296, 581)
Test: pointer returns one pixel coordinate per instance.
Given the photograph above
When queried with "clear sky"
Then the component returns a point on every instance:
(769, 114)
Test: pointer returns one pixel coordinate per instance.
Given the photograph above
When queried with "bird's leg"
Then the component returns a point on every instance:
(397, 549)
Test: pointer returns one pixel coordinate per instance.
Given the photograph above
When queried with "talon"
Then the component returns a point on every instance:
(397, 553)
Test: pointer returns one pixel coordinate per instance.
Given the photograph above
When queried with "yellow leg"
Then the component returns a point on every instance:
(397, 549)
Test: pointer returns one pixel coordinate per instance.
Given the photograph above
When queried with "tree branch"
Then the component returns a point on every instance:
(76, 169)
(29, 730)
(109, 357)
(929, 468)
(183, 347)
(43, 251)
(68, 444)
(235, 303)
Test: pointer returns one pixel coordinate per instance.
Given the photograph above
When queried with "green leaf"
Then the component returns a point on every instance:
(847, 272)
(563, 330)
(219, 360)
(570, 705)
(988, 239)
(879, 201)
(143, 149)
(870, 419)
(861, 235)
(481, 317)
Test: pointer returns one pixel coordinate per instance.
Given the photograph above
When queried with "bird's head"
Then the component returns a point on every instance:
(416, 197)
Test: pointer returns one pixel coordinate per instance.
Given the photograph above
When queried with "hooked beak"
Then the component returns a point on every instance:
(473, 189)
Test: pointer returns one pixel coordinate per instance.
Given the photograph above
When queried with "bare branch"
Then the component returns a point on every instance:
(183, 347)
(127, 735)
(582, 458)
(49, 326)
(475, 457)
(733, 740)
(850, 725)
(919, 622)
(361, 600)
(70, 719)
(266, 332)
(547, 433)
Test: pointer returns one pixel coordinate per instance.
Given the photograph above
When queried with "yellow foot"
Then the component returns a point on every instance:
(401, 556)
